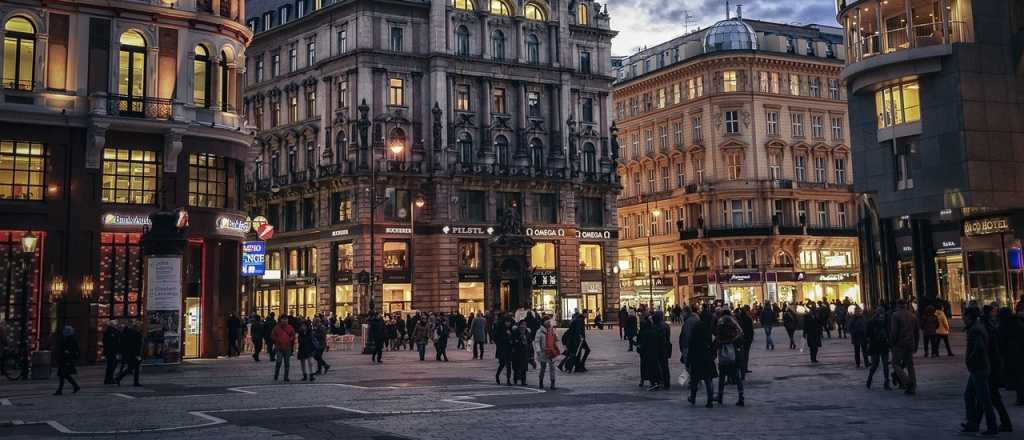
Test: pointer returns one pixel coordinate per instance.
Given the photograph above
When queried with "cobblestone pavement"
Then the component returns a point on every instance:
(787, 398)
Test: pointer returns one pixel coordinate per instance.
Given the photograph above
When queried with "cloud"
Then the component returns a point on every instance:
(650, 22)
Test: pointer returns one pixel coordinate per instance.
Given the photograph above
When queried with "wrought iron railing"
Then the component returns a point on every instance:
(138, 107)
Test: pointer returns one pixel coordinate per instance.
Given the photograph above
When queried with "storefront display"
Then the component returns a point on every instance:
(471, 297)
(397, 297)
(302, 301)
(267, 300)
(344, 301)
(831, 287)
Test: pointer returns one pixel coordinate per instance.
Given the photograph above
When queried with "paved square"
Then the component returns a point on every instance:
(787, 398)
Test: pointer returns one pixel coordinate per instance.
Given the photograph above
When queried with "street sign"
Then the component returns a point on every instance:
(254, 257)
(265, 231)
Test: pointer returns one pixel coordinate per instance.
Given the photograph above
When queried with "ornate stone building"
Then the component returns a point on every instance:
(110, 110)
(396, 138)
(736, 168)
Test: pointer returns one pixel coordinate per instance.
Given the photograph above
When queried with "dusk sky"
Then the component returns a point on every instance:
(649, 22)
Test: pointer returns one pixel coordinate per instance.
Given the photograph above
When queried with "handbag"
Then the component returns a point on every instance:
(684, 377)
(727, 354)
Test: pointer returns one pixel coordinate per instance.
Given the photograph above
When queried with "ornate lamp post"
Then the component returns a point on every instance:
(28, 249)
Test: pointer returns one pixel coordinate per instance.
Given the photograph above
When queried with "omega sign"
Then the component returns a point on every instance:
(545, 232)
(986, 226)
(594, 235)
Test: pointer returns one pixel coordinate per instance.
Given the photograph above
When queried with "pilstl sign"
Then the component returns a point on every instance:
(986, 226)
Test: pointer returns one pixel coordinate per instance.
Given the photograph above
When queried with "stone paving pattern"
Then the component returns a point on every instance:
(786, 396)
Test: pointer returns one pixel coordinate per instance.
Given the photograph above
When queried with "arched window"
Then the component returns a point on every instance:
(537, 153)
(201, 77)
(225, 83)
(582, 14)
(533, 48)
(462, 41)
(131, 82)
(19, 54)
(466, 152)
(503, 151)
(341, 147)
(498, 45)
(257, 171)
(466, 5)
(275, 164)
(701, 263)
(589, 158)
(293, 162)
(500, 7)
(783, 260)
(534, 11)
(396, 138)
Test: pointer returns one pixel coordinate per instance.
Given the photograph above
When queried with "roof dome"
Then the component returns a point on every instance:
(732, 34)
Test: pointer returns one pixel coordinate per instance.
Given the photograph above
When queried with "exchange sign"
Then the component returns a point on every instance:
(254, 258)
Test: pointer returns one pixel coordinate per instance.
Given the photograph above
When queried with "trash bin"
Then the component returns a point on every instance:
(41, 364)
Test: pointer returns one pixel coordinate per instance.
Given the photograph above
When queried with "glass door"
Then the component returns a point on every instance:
(192, 332)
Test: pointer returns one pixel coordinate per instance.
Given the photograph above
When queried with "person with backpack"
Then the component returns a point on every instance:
(546, 346)
(727, 344)
(878, 346)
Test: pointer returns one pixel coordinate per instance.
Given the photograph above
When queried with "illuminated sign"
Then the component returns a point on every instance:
(339, 233)
(835, 277)
(398, 230)
(254, 258)
(468, 230)
(232, 225)
(986, 226)
(594, 235)
(545, 279)
(545, 232)
(126, 220)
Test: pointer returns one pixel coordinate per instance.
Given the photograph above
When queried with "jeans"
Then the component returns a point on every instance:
(876, 359)
(769, 343)
(283, 357)
(550, 367)
(378, 351)
(421, 347)
(860, 348)
(478, 344)
(108, 376)
(303, 364)
(694, 384)
(730, 372)
(978, 402)
(903, 359)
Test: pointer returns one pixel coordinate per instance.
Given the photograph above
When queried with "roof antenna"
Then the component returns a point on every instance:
(727, 9)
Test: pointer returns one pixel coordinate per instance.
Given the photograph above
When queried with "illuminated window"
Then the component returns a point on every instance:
(499, 7)
(396, 92)
(729, 83)
(794, 85)
(462, 97)
(130, 176)
(898, 104)
(809, 259)
(343, 301)
(590, 257)
(293, 107)
(201, 77)
(469, 254)
(344, 256)
(395, 255)
(131, 73)
(120, 277)
(582, 14)
(542, 256)
(500, 103)
(210, 182)
(342, 202)
(534, 11)
(19, 54)
(22, 170)
(466, 5)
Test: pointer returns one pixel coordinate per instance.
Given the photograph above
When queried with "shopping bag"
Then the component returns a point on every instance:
(684, 377)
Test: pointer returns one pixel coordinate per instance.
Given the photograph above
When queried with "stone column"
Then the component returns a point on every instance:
(215, 80)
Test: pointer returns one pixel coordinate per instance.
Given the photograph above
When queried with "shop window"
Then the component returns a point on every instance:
(342, 207)
(809, 259)
(295, 268)
(471, 298)
(344, 256)
(130, 176)
(395, 256)
(590, 257)
(267, 301)
(22, 170)
(898, 104)
(10, 269)
(397, 204)
(120, 277)
(274, 261)
(469, 254)
(344, 301)
(302, 302)
(397, 297)
(542, 256)
(471, 206)
(546, 209)
(211, 184)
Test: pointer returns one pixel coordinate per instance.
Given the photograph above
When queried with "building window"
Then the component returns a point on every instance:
(498, 45)
(800, 167)
(310, 53)
(649, 140)
(823, 214)
(817, 129)
(396, 39)
(293, 59)
(774, 166)
(533, 49)
(533, 11)
(130, 176)
(275, 65)
(729, 83)
(467, 152)
(734, 163)
(898, 104)
(732, 122)
(308, 214)
(797, 120)
(396, 92)
(23, 171)
(589, 158)
(462, 41)
(201, 77)
(293, 107)
(537, 154)
(258, 115)
(343, 39)
(590, 257)
(819, 169)
(500, 103)
(344, 256)
(794, 85)
(311, 103)
(210, 182)
(533, 104)
(462, 97)
(543, 256)
(665, 179)
(680, 174)
(677, 93)
(772, 118)
(661, 98)
(343, 93)
(500, 7)
(763, 84)
(275, 112)
(546, 209)
(841, 209)
(902, 152)
(663, 138)
(469, 254)
(635, 138)
(698, 134)
(698, 169)
(472, 206)
(585, 62)
(582, 14)
(837, 129)
(677, 134)
(342, 206)
(465, 5)
(651, 188)
(503, 151)
(814, 86)
(833, 89)
(840, 166)
(587, 105)
(396, 256)
(131, 84)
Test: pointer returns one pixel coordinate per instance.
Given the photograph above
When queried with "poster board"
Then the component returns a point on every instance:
(163, 309)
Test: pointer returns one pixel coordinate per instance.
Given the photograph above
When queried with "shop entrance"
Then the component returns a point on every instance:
(192, 328)
(510, 295)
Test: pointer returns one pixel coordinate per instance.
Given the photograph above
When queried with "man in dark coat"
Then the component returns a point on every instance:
(111, 348)
(812, 331)
(768, 318)
(378, 333)
(904, 330)
(976, 395)
(630, 329)
(700, 359)
(131, 353)
(858, 330)
(663, 333)
(623, 314)
(878, 345)
(747, 340)
(256, 335)
(268, 329)
(234, 326)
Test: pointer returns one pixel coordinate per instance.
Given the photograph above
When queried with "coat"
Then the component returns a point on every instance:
(540, 341)
(813, 327)
(878, 336)
(976, 357)
(1010, 340)
(111, 342)
(700, 358)
(67, 355)
(629, 329)
(306, 348)
(943, 328)
(904, 330)
(421, 334)
(649, 346)
(131, 344)
(858, 328)
(502, 342)
(283, 337)
(479, 329)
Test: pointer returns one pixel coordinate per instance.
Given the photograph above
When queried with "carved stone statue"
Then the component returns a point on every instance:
(511, 224)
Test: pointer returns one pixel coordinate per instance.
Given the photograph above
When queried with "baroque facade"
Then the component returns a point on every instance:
(400, 141)
(736, 168)
(110, 111)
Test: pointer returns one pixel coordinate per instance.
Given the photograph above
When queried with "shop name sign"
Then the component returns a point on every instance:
(394, 230)
(547, 279)
(468, 230)
(986, 226)
(835, 277)
(232, 225)
(126, 220)
(339, 233)
(545, 232)
(594, 235)
(254, 257)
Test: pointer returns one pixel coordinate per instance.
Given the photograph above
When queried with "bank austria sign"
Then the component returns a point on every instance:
(232, 225)
(117, 219)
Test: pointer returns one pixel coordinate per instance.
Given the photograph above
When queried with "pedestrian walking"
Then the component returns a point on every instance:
(700, 359)
(441, 333)
(997, 364)
(478, 331)
(520, 352)
(768, 318)
(905, 331)
(631, 324)
(878, 346)
(1011, 345)
(502, 336)
(269, 325)
(256, 336)
(131, 353)
(728, 342)
(929, 327)
(67, 355)
(421, 334)
(378, 333)
(813, 327)
(623, 313)
(743, 317)
(647, 347)
(942, 332)
(234, 326)
(858, 329)
(546, 347)
(305, 353)
(841, 319)
(977, 400)
(319, 331)
(283, 337)
(111, 351)
(790, 321)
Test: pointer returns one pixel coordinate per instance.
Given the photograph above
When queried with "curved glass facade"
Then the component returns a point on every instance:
(730, 35)
(875, 27)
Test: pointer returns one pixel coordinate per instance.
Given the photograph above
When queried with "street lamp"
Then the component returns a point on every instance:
(28, 248)
(87, 287)
(57, 288)
(650, 257)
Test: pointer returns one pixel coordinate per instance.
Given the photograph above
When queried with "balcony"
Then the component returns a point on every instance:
(832, 231)
(741, 230)
(299, 176)
(879, 28)
(138, 107)
(281, 180)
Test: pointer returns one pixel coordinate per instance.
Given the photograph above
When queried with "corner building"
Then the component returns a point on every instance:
(467, 115)
(935, 101)
(109, 111)
(736, 168)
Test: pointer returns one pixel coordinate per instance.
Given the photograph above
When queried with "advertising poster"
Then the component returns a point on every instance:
(163, 310)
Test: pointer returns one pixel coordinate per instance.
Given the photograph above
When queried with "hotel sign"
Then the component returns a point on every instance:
(126, 220)
(986, 226)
